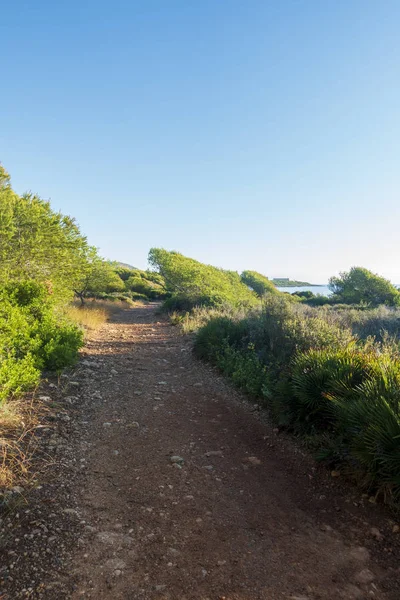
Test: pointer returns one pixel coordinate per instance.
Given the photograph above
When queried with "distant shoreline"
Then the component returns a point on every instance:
(301, 285)
(286, 283)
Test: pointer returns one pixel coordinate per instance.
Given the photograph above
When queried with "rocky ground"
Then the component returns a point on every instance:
(157, 480)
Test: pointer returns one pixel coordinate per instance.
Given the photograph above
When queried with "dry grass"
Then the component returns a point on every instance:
(89, 317)
(94, 313)
(18, 420)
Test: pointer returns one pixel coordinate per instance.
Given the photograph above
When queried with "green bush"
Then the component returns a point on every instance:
(369, 420)
(182, 303)
(316, 375)
(219, 334)
(360, 285)
(194, 281)
(341, 394)
(259, 283)
(32, 337)
(59, 343)
(17, 375)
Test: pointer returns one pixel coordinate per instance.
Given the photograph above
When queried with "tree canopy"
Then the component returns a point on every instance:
(37, 243)
(198, 282)
(259, 283)
(360, 285)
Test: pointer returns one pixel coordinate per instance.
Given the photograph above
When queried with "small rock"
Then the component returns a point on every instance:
(253, 460)
(352, 592)
(364, 577)
(213, 453)
(360, 554)
(396, 529)
(177, 460)
(137, 393)
(173, 552)
(111, 538)
(335, 473)
(159, 588)
(326, 528)
(374, 531)
(106, 424)
(114, 564)
(209, 467)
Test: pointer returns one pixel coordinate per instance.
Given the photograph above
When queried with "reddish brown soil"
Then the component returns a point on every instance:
(246, 516)
(241, 519)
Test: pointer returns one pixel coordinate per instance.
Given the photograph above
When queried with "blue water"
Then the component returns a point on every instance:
(323, 290)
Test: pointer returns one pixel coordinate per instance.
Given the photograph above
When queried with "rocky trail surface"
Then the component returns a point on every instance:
(178, 489)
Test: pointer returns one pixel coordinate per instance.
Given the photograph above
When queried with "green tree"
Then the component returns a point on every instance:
(37, 243)
(360, 285)
(200, 283)
(259, 283)
(97, 275)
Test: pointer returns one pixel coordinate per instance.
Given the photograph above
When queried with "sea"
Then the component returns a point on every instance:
(323, 290)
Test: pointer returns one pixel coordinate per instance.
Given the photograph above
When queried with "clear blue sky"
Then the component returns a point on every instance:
(248, 134)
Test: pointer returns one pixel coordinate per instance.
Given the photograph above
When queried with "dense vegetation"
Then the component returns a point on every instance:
(327, 369)
(43, 258)
(361, 286)
(45, 262)
(260, 284)
(330, 374)
(192, 283)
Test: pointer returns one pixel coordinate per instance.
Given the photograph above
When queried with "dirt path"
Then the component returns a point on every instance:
(239, 518)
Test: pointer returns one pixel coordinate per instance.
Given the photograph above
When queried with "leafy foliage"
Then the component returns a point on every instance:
(97, 276)
(148, 284)
(199, 283)
(315, 378)
(37, 243)
(360, 285)
(32, 337)
(259, 283)
(43, 256)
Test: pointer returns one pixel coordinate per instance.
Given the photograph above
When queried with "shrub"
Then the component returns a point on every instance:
(32, 337)
(360, 285)
(318, 374)
(17, 375)
(259, 283)
(195, 281)
(369, 420)
(341, 394)
(60, 342)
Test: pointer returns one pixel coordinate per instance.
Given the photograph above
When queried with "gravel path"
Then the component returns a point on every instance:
(174, 487)
(192, 496)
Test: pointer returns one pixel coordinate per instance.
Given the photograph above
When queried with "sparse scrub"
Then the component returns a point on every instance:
(317, 379)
